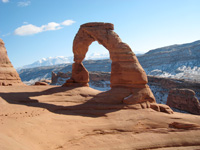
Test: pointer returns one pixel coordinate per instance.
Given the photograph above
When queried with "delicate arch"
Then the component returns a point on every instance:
(126, 71)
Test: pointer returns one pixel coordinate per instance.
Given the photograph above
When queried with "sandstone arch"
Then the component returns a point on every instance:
(126, 71)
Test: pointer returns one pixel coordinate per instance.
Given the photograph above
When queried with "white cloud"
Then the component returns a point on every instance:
(27, 30)
(30, 29)
(67, 22)
(5, 1)
(24, 3)
(51, 26)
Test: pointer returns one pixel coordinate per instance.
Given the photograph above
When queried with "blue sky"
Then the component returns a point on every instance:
(35, 29)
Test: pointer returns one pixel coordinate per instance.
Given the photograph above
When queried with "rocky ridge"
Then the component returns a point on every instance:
(176, 61)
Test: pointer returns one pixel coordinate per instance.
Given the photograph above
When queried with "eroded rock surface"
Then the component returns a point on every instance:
(8, 74)
(126, 71)
(68, 118)
(184, 99)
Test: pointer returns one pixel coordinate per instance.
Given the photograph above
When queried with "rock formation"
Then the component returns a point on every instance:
(60, 75)
(126, 71)
(8, 74)
(184, 99)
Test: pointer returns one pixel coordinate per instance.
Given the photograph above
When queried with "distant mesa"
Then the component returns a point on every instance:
(8, 74)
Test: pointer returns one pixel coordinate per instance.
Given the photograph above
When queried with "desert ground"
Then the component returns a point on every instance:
(66, 118)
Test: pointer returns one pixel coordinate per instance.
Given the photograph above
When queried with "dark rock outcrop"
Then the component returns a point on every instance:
(184, 99)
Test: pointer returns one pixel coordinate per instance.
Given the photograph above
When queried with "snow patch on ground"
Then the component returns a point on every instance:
(100, 85)
(182, 72)
(160, 94)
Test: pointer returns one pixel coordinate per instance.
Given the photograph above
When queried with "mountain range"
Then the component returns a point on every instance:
(50, 61)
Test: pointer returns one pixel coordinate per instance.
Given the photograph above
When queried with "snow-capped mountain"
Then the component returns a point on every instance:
(50, 61)
(97, 56)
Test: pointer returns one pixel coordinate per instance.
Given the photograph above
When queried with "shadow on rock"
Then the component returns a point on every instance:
(96, 105)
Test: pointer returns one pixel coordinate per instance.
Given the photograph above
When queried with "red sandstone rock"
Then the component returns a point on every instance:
(139, 95)
(8, 74)
(41, 83)
(79, 73)
(126, 71)
(184, 125)
(184, 99)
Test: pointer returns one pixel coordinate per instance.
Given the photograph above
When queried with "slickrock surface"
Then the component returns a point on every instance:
(8, 74)
(184, 99)
(60, 118)
(126, 71)
(41, 83)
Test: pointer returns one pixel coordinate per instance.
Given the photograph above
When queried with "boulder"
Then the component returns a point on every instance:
(8, 74)
(184, 99)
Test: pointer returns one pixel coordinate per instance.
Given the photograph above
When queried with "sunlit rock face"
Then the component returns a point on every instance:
(8, 74)
(126, 71)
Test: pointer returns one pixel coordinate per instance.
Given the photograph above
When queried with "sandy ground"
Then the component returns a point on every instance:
(62, 118)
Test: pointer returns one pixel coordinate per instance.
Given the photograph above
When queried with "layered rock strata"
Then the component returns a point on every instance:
(126, 71)
(184, 99)
(8, 74)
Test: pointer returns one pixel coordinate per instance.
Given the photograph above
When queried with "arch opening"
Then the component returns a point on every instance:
(98, 64)
(97, 51)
